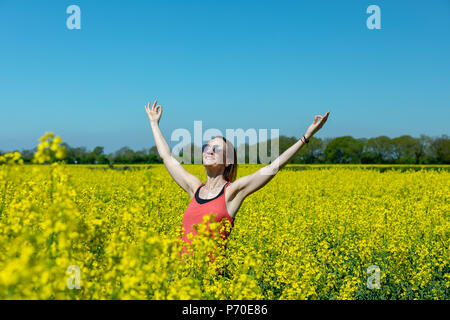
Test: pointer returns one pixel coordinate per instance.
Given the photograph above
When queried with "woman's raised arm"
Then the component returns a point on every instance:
(248, 184)
(187, 181)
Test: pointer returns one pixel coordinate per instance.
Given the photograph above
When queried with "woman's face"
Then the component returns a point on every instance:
(214, 159)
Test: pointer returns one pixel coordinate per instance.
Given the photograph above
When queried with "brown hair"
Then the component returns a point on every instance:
(231, 170)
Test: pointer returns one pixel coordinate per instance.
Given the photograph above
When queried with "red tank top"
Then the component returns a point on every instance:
(198, 208)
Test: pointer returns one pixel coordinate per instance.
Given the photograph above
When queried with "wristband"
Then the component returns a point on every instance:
(306, 140)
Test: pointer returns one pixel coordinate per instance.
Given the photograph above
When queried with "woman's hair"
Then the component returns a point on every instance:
(230, 155)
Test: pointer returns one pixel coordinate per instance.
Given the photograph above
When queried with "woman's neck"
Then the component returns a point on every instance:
(213, 183)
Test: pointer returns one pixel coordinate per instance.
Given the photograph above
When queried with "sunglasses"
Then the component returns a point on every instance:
(215, 148)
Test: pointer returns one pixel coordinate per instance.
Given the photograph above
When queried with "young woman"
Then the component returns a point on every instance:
(221, 193)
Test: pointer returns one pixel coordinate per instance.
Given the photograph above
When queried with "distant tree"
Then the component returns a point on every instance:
(153, 150)
(155, 159)
(94, 156)
(310, 153)
(422, 150)
(359, 151)
(344, 150)
(404, 148)
(76, 155)
(124, 155)
(103, 159)
(440, 150)
(378, 150)
(140, 156)
(153, 155)
(27, 155)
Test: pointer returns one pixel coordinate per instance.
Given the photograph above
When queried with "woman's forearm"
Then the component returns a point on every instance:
(161, 144)
(286, 156)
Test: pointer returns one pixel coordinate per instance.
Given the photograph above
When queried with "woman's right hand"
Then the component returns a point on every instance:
(154, 113)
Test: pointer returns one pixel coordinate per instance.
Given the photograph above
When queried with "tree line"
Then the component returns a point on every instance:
(341, 150)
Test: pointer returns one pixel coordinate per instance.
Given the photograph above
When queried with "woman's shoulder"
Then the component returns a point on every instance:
(232, 190)
(195, 188)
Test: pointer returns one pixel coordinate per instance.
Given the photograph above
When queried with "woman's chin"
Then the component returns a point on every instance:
(211, 164)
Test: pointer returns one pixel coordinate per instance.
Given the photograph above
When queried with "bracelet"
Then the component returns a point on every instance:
(306, 140)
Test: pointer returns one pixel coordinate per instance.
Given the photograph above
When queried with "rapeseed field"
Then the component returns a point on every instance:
(83, 232)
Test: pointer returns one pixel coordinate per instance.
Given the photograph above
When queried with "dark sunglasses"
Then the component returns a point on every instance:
(215, 148)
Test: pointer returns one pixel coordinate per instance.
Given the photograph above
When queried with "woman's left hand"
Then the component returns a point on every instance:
(315, 126)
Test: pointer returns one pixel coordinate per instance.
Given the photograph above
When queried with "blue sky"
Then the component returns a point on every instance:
(232, 64)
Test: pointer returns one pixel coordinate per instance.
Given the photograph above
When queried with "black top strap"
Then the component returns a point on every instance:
(201, 201)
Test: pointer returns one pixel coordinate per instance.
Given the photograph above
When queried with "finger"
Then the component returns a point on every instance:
(315, 119)
(158, 109)
(324, 119)
(154, 104)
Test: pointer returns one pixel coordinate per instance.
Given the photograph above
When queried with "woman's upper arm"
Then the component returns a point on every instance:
(187, 181)
(246, 185)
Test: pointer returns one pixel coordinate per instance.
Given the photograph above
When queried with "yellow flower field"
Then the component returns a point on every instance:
(72, 232)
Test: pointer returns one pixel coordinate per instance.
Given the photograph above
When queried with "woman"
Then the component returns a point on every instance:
(221, 193)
